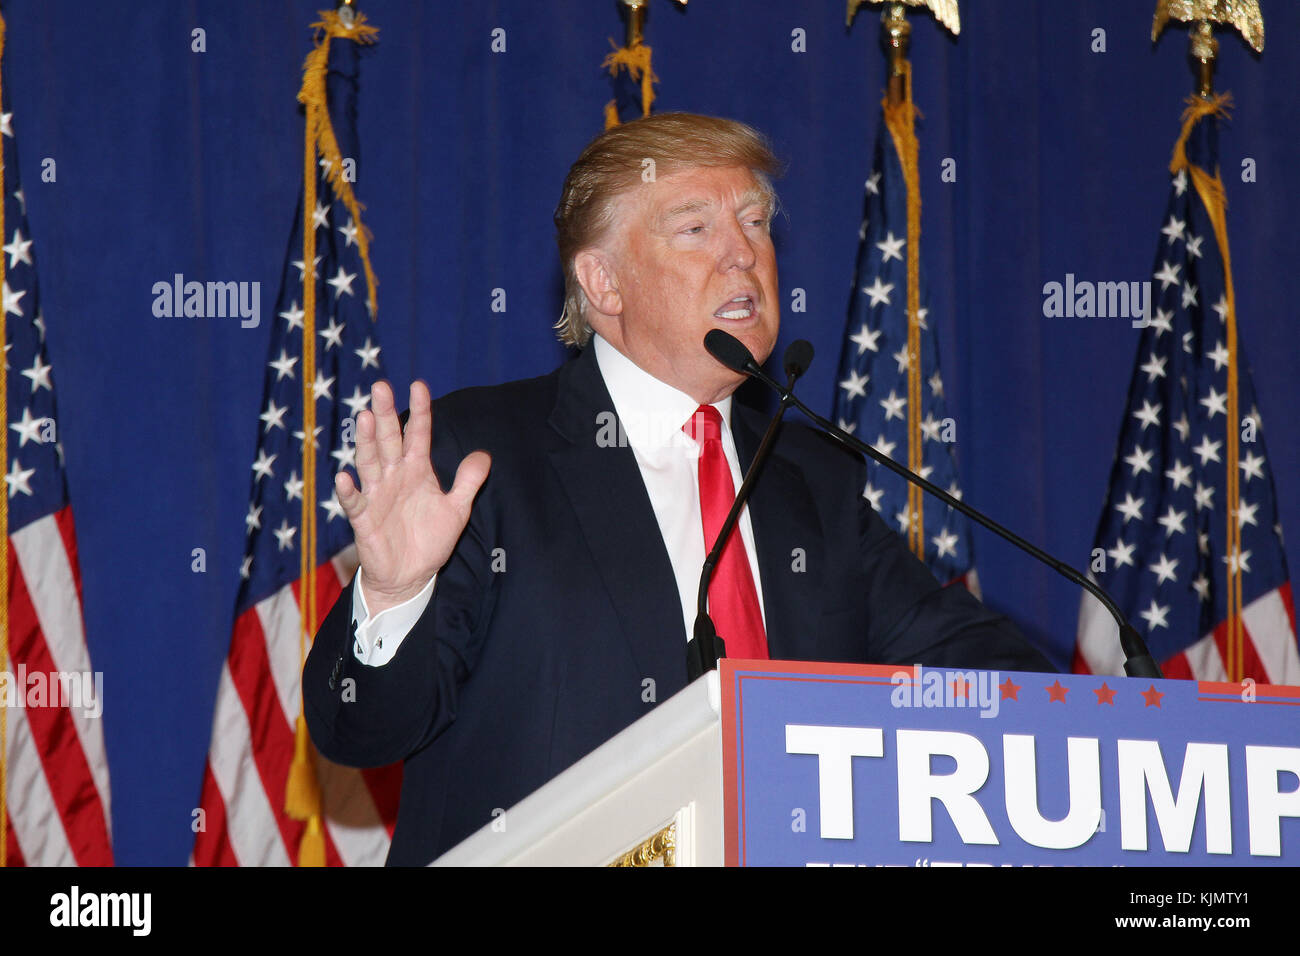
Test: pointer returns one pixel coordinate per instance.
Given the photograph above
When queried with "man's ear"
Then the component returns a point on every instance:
(595, 272)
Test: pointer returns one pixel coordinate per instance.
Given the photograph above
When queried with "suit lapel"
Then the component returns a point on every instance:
(788, 537)
(607, 493)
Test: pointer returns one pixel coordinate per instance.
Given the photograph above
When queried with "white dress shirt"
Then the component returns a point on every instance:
(652, 415)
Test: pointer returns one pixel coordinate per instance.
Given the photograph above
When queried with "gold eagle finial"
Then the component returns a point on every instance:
(1244, 15)
(945, 11)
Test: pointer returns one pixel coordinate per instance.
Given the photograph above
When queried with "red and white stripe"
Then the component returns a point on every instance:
(1269, 652)
(243, 820)
(57, 787)
(970, 581)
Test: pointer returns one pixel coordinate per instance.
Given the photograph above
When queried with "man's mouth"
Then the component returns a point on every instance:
(739, 307)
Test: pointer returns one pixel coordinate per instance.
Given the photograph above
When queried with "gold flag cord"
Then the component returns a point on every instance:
(4, 530)
(634, 58)
(900, 119)
(1210, 190)
(302, 792)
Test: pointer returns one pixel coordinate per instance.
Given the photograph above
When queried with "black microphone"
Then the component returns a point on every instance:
(733, 354)
(705, 647)
(797, 359)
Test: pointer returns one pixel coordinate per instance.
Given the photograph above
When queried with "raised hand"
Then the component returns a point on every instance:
(404, 524)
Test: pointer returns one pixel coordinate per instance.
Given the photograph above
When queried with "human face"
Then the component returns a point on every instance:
(692, 252)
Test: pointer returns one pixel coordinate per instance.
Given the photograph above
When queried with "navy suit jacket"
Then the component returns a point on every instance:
(559, 603)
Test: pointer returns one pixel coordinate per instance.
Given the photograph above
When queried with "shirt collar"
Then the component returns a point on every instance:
(652, 412)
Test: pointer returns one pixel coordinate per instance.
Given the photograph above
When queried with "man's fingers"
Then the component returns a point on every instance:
(388, 433)
(351, 500)
(368, 467)
(471, 474)
(419, 427)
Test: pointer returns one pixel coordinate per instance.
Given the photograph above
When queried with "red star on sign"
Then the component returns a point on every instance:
(1104, 694)
(1057, 692)
(1152, 696)
(1009, 690)
(959, 688)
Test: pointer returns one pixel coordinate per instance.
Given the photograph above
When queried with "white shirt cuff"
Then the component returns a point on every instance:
(379, 637)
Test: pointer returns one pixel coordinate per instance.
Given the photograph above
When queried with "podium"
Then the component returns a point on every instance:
(794, 763)
(649, 796)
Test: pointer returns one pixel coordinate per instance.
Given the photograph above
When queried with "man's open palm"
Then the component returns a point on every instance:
(405, 526)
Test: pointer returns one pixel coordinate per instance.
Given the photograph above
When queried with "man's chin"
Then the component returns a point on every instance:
(760, 343)
(755, 336)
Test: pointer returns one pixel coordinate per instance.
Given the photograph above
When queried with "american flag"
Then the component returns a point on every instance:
(872, 388)
(1162, 549)
(56, 769)
(259, 696)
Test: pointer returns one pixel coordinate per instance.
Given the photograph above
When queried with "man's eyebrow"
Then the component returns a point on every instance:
(754, 197)
(683, 208)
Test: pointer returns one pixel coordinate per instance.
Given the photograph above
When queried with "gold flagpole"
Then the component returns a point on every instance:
(900, 119)
(1244, 16)
(302, 800)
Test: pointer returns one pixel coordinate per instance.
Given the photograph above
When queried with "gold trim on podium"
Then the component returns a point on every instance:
(662, 844)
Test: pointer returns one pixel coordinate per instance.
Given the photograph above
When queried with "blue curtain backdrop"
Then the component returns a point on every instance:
(171, 161)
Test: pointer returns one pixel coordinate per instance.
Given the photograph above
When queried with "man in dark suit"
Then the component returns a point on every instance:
(498, 632)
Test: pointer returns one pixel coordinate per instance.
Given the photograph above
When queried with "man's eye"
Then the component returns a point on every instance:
(762, 221)
(692, 230)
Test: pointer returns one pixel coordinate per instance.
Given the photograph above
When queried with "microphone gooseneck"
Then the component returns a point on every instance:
(705, 647)
(733, 354)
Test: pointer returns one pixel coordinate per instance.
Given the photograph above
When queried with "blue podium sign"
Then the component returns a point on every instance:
(837, 764)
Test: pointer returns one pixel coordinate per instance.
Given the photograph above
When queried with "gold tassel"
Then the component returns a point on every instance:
(302, 792)
(311, 848)
(611, 115)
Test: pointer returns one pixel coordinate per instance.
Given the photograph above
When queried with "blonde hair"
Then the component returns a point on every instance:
(617, 160)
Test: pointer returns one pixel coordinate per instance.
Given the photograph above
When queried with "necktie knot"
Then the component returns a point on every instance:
(704, 425)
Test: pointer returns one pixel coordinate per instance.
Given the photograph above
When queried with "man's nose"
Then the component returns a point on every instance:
(737, 249)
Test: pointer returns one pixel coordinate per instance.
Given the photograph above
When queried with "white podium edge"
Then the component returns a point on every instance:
(681, 718)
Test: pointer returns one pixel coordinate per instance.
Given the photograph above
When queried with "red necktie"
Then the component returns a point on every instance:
(733, 599)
